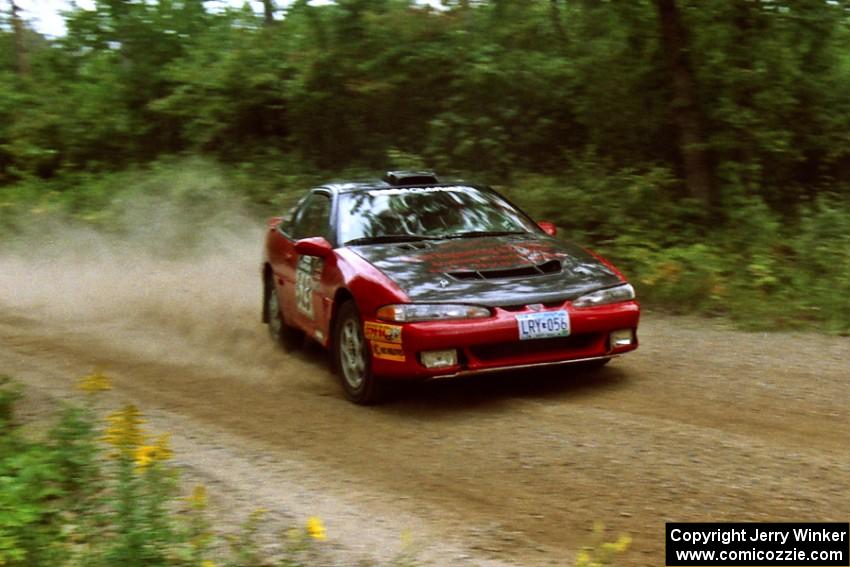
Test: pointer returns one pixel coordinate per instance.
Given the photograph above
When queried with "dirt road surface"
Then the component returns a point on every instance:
(703, 423)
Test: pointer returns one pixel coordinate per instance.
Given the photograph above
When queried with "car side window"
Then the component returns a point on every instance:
(290, 216)
(313, 219)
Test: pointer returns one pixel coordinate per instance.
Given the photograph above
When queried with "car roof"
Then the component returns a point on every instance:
(397, 180)
(362, 186)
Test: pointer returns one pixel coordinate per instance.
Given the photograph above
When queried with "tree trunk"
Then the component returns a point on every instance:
(268, 11)
(555, 14)
(692, 141)
(21, 54)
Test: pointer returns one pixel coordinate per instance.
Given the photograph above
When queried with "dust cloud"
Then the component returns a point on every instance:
(167, 286)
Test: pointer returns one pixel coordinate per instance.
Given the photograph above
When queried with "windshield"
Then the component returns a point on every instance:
(426, 212)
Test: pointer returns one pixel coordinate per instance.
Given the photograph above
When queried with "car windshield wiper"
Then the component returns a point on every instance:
(388, 238)
(481, 233)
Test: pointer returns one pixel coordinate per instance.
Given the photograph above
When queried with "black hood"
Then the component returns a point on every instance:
(493, 271)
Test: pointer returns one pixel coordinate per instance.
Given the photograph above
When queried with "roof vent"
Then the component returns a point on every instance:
(402, 178)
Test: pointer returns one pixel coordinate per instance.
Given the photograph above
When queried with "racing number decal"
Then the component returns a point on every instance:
(307, 274)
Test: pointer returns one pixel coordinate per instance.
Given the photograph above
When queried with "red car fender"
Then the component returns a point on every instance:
(608, 264)
(368, 285)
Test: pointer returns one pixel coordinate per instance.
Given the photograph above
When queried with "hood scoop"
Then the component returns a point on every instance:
(550, 267)
(490, 271)
(414, 246)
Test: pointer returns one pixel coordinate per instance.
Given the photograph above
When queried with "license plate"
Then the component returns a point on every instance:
(543, 325)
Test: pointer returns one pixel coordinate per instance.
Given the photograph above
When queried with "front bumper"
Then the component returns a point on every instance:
(492, 344)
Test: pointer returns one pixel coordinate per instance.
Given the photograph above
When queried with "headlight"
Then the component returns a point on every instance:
(412, 312)
(617, 294)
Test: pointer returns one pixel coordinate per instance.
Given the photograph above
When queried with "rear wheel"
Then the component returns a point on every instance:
(352, 359)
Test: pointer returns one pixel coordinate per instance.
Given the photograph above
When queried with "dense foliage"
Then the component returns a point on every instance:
(705, 144)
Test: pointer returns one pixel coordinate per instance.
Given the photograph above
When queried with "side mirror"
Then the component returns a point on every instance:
(314, 246)
(548, 227)
(273, 222)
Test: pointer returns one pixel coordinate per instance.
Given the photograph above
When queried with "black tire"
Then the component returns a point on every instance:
(282, 334)
(352, 359)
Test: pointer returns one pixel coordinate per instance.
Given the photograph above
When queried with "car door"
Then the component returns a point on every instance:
(281, 251)
(299, 277)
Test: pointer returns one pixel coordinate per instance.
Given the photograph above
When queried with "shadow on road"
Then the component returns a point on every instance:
(551, 384)
(481, 391)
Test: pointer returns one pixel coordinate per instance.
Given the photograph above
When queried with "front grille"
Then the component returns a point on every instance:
(523, 307)
(496, 351)
(550, 267)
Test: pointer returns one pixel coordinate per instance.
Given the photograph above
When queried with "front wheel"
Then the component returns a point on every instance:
(351, 357)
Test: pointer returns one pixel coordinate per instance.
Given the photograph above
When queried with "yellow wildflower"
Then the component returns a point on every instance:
(649, 280)
(144, 456)
(295, 536)
(718, 290)
(598, 528)
(207, 563)
(198, 498)
(316, 529)
(670, 271)
(406, 539)
(93, 383)
(163, 447)
(583, 558)
(125, 431)
(623, 542)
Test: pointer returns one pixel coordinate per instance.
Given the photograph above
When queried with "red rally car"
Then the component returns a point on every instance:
(408, 277)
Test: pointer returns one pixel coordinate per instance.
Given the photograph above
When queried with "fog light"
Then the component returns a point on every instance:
(438, 358)
(622, 338)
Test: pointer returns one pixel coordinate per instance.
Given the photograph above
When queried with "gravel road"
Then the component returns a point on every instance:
(702, 423)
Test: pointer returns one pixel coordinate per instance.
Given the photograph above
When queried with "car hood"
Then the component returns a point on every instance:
(493, 271)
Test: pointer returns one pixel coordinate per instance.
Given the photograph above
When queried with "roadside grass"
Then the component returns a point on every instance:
(100, 493)
(748, 263)
(743, 261)
(89, 494)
